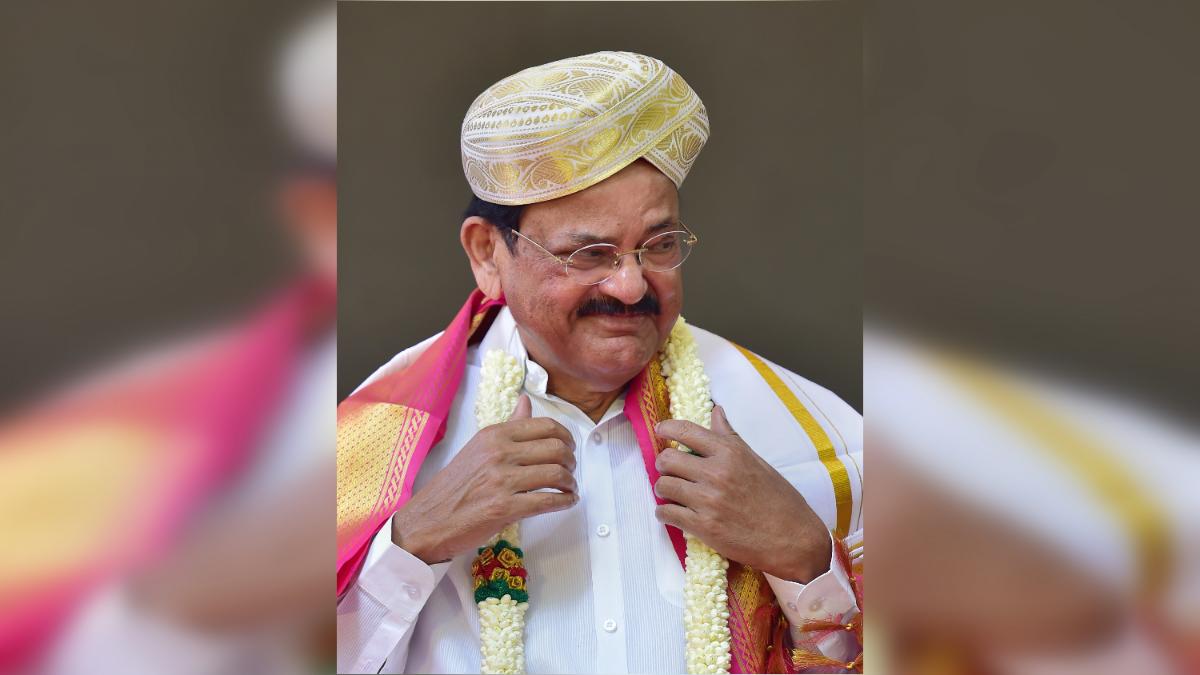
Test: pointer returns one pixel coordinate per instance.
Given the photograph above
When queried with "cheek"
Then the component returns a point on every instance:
(545, 305)
(670, 298)
(670, 293)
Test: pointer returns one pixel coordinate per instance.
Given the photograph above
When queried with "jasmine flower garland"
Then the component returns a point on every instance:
(706, 609)
(499, 571)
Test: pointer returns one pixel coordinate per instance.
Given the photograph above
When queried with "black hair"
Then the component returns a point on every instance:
(507, 219)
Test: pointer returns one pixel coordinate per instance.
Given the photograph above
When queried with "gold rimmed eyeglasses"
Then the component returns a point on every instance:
(596, 263)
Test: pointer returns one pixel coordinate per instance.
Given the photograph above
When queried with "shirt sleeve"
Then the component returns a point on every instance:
(115, 633)
(376, 616)
(829, 597)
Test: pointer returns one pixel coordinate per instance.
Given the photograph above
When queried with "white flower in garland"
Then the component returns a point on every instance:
(706, 609)
(501, 619)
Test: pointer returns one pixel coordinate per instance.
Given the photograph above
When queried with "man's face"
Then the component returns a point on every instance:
(602, 335)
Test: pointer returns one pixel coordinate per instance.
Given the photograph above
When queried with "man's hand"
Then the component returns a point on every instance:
(738, 504)
(489, 484)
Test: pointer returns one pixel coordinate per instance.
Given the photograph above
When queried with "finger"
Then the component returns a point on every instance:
(535, 428)
(699, 440)
(524, 409)
(720, 423)
(677, 490)
(530, 478)
(679, 516)
(544, 451)
(672, 462)
(532, 503)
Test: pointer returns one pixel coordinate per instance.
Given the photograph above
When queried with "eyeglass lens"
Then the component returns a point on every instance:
(596, 263)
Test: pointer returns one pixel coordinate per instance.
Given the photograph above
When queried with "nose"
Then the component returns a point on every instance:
(627, 283)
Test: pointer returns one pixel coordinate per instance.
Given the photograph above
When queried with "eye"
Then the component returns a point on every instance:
(663, 244)
(591, 254)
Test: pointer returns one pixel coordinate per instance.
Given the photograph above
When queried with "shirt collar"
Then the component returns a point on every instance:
(503, 334)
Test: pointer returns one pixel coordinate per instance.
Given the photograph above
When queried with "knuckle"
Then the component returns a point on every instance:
(547, 500)
(713, 498)
(566, 456)
(495, 452)
(495, 509)
(665, 461)
(722, 474)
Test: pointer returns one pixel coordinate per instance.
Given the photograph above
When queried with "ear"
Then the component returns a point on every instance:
(483, 243)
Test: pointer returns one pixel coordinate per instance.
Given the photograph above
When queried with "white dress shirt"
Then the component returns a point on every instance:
(605, 584)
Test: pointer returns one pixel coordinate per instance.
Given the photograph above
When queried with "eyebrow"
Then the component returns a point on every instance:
(585, 239)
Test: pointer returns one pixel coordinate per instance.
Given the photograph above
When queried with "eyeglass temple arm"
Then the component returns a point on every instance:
(562, 261)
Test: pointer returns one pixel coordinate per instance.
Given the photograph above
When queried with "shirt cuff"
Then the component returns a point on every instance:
(396, 578)
(829, 597)
(112, 629)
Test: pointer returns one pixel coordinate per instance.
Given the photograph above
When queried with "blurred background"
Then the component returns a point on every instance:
(140, 148)
(1029, 344)
(168, 272)
(775, 196)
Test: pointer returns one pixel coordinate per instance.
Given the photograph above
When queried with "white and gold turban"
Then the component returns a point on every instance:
(552, 130)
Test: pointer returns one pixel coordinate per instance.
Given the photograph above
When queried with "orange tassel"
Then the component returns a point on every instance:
(804, 659)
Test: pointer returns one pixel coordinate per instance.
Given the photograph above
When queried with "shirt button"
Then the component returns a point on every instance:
(411, 590)
(596, 438)
(610, 626)
(792, 606)
(602, 531)
(816, 605)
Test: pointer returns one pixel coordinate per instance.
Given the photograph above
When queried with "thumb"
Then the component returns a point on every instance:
(524, 409)
(720, 423)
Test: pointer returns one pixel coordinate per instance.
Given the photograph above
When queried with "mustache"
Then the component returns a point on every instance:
(608, 306)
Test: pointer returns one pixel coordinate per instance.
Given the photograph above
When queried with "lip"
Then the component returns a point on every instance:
(622, 322)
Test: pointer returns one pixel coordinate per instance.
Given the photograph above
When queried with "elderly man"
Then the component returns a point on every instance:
(547, 485)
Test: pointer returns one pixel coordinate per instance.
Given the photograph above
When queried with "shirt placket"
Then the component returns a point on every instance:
(604, 552)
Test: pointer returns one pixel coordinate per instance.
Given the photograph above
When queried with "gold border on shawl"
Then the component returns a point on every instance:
(838, 475)
(656, 401)
(69, 495)
(1142, 517)
(375, 445)
(366, 440)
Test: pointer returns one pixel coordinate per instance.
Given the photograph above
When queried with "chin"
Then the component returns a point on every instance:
(615, 367)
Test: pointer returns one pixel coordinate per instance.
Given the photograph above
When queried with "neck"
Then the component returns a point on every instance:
(593, 403)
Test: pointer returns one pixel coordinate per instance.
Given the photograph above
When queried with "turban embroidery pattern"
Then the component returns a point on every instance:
(552, 130)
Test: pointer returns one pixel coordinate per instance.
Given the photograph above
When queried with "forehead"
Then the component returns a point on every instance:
(636, 197)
